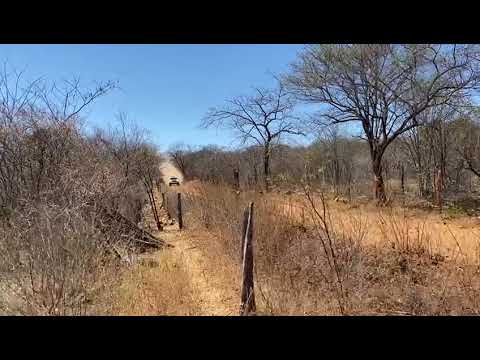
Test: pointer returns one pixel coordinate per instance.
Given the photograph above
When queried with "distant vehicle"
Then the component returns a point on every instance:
(173, 181)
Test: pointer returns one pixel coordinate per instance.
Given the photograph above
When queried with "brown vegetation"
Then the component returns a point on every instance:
(158, 285)
(77, 207)
(323, 263)
(58, 247)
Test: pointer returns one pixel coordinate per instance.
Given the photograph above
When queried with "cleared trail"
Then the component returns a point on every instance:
(168, 169)
(215, 296)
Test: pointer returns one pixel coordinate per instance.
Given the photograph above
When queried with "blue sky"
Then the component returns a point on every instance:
(165, 88)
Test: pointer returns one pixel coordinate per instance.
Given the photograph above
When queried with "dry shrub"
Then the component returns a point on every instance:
(398, 231)
(219, 210)
(52, 177)
(155, 286)
(305, 263)
(289, 258)
(407, 274)
(54, 258)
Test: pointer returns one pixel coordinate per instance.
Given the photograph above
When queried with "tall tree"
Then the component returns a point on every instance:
(429, 145)
(263, 118)
(384, 88)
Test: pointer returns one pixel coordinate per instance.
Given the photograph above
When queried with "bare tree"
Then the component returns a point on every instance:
(331, 157)
(383, 88)
(414, 145)
(66, 100)
(264, 118)
(331, 140)
(125, 140)
(137, 159)
(147, 170)
(440, 140)
(37, 131)
(468, 145)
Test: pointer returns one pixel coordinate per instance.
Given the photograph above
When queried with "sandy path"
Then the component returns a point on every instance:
(168, 169)
(216, 297)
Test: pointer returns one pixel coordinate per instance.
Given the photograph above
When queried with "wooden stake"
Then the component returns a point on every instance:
(236, 179)
(165, 205)
(244, 231)
(179, 210)
(247, 305)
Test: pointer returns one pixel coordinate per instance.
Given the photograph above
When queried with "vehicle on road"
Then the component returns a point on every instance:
(173, 181)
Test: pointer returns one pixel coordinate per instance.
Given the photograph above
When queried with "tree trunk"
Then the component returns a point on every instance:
(236, 179)
(439, 189)
(427, 183)
(336, 177)
(421, 186)
(402, 178)
(378, 183)
(266, 167)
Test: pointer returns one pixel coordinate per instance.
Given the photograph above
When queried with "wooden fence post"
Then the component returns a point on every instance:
(244, 231)
(247, 305)
(236, 179)
(179, 210)
(165, 205)
(402, 178)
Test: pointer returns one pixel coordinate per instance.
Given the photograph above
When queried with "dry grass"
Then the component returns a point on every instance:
(158, 285)
(444, 233)
(388, 260)
(214, 277)
(192, 278)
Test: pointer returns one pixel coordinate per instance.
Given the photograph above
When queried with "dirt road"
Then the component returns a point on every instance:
(168, 169)
(214, 295)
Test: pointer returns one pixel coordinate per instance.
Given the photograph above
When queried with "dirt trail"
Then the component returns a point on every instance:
(215, 297)
(168, 169)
